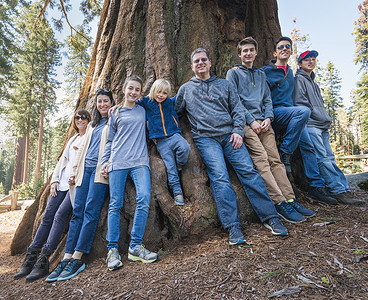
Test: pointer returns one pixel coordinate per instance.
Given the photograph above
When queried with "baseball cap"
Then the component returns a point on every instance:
(306, 54)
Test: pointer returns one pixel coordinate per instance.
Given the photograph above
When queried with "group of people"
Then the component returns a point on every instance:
(233, 119)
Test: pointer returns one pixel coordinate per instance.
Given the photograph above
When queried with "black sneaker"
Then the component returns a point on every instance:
(348, 198)
(306, 212)
(236, 236)
(29, 262)
(275, 225)
(321, 195)
(57, 271)
(41, 268)
(72, 269)
(286, 160)
(285, 210)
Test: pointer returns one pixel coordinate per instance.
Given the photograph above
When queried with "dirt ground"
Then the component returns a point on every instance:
(323, 258)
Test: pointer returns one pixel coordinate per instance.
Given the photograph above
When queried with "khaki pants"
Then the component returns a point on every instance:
(263, 151)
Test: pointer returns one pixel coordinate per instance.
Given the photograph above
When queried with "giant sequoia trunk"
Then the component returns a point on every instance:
(154, 39)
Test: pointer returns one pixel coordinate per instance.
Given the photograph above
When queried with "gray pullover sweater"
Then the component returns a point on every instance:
(253, 91)
(126, 140)
(307, 93)
(213, 107)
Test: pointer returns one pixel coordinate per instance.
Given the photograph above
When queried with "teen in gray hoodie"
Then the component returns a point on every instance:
(307, 93)
(259, 137)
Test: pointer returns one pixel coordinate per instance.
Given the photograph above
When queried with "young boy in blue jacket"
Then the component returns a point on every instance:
(163, 128)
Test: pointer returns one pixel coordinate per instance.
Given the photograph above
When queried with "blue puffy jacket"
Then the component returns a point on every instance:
(161, 117)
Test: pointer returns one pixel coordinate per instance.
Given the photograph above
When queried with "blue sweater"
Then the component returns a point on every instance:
(161, 117)
(282, 95)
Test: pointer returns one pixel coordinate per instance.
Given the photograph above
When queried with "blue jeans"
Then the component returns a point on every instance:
(213, 152)
(89, 198)
(331, 173)
(309, 157)
(174, 151)
(292, 120)
(53, 221)
(142, 182)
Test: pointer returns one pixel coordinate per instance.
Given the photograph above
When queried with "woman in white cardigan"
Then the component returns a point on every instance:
(91, 191)
(59, 206)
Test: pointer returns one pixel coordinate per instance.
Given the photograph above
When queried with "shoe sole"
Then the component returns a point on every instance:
(34, 279)
(291, 221)
(179, 203)
(282, 233)
(119, 265)
(51, 279)
(324, 202)
(239, 242)
(72, 275)
(137, 258)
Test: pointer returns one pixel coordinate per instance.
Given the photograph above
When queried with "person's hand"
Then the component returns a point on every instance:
(71, 180)
(256, 127)
(237, 140)
(54, 189)
(104, 172)
(112, 109)
(266, 125)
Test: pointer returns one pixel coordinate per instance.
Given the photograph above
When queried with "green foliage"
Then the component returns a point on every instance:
(78, 54)
(7, 157)
(330, 86)
(361, 106)
(25, 191)
(361, 36)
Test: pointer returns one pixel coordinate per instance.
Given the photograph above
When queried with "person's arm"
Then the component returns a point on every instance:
(110, 136)
(180, 102)
(300, 94)
(267, 102)
(236, 110)
(234, 80)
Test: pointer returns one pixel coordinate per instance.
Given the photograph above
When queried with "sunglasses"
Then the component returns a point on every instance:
(204, 59)
(284, 46)
(103, 91)
(82, 117)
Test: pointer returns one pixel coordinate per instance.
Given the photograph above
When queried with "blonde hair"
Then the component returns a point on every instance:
(157, 86)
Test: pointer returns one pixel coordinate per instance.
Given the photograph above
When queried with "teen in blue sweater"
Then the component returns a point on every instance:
(163, 127)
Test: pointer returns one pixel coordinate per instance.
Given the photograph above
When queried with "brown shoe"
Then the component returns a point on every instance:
(348, 198)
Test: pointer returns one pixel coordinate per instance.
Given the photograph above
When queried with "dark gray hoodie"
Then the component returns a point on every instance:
(253, 91)
(213, 107)
(307, 93)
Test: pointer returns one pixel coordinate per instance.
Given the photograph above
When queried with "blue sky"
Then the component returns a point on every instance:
(330, 25)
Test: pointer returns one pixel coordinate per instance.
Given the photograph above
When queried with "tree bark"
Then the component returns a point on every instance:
(26, 150)
(19, 162)
(154, 39)
(39, 148)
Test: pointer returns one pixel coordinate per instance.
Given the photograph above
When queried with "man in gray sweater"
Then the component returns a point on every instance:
(217, 120)
(259, 137)
(307, 93)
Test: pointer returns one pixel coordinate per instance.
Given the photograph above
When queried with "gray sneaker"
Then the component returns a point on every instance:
(348, 198)
(139, 253)
(179, 199)
(113, 259)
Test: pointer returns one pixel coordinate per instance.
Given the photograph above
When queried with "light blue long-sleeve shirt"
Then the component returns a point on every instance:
(126, 141)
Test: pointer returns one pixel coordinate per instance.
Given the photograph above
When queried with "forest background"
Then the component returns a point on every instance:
(45, 50)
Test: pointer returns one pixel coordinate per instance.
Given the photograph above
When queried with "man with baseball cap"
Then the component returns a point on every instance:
(307, 93)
